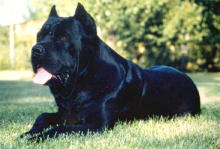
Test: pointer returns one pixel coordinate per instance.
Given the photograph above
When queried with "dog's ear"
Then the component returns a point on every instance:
(86, 20)
(53, 12)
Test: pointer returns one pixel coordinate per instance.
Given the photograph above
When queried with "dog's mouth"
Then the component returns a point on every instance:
(42, 77)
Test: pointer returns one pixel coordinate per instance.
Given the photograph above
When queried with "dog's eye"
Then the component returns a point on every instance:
(39, 37)
(63, 38)
(71, 49)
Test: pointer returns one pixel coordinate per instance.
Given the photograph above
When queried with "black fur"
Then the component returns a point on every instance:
(96, 86)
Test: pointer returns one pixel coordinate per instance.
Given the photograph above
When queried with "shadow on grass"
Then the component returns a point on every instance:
(16, 95)
(208, 83)
(211, 111)
(22, 101)
(205, 77)
(20, 89)
(25, 113)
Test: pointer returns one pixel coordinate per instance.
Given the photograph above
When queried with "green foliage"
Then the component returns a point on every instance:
(148, 32)
(4, 36)
(22, 57)
(4, 46)
(22, 51)
(4, 57)
(42, 8)
(160, 26)
(210, 46)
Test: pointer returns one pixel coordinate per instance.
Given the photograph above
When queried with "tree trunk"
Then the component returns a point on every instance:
(12, 49)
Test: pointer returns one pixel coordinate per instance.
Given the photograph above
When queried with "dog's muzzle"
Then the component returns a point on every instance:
(38, 50)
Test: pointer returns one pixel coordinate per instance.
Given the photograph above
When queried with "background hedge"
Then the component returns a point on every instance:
(181, 33)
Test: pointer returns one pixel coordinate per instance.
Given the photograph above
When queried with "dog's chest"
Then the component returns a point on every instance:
(72, 110)
(69, 112)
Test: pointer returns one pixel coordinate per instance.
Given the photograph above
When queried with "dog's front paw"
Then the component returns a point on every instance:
(25, 134)
(42, 137)
(22, 135)
(37, 138)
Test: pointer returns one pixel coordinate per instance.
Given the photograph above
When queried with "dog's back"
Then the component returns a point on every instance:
(158, 90)
(168, 92)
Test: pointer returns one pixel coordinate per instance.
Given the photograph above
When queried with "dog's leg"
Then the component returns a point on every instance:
(106, 120)
(58, 130)
(79, 128)
(44, 121)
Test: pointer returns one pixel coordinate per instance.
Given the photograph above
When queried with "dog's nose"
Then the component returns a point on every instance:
(38, 50)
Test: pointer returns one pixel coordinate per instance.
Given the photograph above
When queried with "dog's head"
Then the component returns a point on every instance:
(59, 52)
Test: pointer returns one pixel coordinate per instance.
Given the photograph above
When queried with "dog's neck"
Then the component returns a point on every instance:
(94, 54)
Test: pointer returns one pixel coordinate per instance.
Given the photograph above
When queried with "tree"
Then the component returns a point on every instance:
(210, 45)
(153, 31)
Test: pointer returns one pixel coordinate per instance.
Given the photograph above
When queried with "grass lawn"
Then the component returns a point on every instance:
(21, 102)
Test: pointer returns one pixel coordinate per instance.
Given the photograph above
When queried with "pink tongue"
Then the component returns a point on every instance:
(42, 76)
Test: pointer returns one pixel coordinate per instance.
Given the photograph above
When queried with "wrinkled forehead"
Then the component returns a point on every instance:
(61, 23)
(52, 22)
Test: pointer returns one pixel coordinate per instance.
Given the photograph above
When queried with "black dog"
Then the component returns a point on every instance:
(94, 87)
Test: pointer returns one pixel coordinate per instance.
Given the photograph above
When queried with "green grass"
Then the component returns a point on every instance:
(21, 102)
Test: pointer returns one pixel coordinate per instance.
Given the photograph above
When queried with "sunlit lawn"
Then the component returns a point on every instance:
(21, 102)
